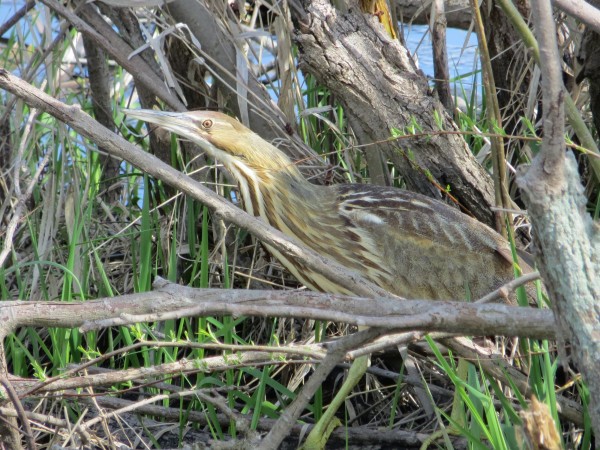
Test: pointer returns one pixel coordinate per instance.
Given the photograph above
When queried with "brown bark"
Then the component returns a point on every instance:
(10, 436)
(440, 57)
(380, 88)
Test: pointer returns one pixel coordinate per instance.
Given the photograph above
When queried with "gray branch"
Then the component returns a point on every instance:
(568, 239)
(171, 301)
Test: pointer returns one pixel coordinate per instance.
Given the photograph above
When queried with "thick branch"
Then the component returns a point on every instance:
(174, 301)
(568, 239)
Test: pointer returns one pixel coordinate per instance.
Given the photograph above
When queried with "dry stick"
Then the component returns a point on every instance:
(81, 367)
(390, 313)
(117, 146)
(50, 420)
(511, 286)
(77, 425)
(16, 17)
(148, 376)
(358, 435)
(209, 364)
(385, 342)
(157, 398)
(14, 398)
(335, 355)
(159, 384)
(452, 317)
(105, 37)
(405, 338)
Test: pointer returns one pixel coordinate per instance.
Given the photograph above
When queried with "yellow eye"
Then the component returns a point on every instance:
(206, 124)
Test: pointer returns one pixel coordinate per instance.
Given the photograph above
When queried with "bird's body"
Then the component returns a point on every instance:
(428, 249)
(406, 243)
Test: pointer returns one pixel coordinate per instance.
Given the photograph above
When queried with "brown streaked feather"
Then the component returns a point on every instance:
(438, 251)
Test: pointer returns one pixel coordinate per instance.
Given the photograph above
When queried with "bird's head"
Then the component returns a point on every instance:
(222, 137)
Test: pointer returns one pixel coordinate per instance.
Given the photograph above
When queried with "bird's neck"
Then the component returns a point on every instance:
(279, 194)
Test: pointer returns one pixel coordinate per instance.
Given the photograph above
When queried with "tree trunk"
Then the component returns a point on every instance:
(568, 238)
(380, 87)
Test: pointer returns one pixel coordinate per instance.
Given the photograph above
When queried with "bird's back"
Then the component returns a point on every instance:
(407, 243)
(433, 250)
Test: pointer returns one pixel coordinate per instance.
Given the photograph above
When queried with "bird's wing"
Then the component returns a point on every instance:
(408, 215)
(432, 250)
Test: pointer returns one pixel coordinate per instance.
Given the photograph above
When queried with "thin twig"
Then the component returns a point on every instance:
(14, 398)
(336, 353)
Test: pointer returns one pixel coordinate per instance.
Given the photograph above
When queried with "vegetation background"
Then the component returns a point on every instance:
(160, 366)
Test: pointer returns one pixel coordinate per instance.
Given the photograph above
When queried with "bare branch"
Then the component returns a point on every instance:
(582, 11)
(174, 301)
(568, 238)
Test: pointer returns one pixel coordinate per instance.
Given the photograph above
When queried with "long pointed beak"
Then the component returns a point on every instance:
(177, 122)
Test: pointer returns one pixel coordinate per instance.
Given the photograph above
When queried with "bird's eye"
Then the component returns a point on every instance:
(206, 124)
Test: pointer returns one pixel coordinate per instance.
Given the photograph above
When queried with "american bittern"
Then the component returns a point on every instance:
(407, 243)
